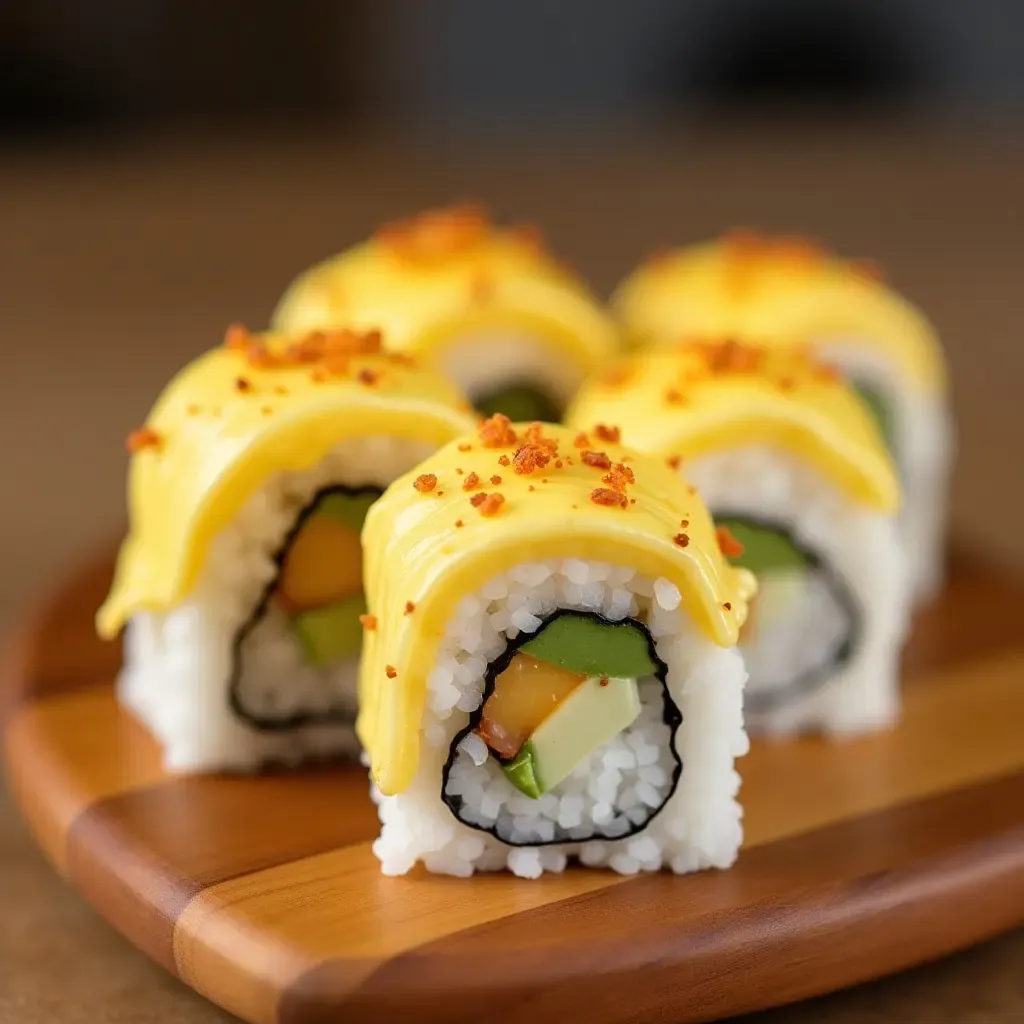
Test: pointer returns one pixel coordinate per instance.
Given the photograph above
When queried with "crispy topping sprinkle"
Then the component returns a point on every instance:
(535, 435)
(144, 437)
(471, 482)
(727, 543)
(684, 523)
(459, 524)
(464, 447)
(681, 539)
(530, 457)
(242, 385)
(425, 482)
(727, 606)
(368, 377)
(369, 622)
(491, 504)
(459, 470)
(619, 478)
(495, 479)
(497, 432)
(610, 435)
(596, 460)
(674, 396)
(674, 461)
(435, 235)
(390, 671)
(606, 496)
(581, 440)
(409, 607)
(504, 461)
(478, 499)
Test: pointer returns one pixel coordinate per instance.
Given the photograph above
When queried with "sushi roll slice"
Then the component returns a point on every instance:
(241, 577)
(550, 669)
(794, 471)
(491, 306)
(787, 291)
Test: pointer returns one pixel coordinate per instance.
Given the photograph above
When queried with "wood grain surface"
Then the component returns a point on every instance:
(861, 857)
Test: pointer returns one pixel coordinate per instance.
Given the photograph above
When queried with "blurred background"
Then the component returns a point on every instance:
(166, 166)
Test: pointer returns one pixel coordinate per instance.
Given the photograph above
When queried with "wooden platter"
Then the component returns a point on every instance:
(862, 857)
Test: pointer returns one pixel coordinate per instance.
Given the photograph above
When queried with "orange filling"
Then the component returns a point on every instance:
(524, 695)
(323, 566)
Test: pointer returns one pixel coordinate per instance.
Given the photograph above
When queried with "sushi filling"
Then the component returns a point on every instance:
(878, 405)
(306, 631)
(804, 623)
(521, 401)
(574, 713)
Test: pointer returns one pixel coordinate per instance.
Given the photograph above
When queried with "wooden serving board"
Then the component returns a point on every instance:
(862, 857)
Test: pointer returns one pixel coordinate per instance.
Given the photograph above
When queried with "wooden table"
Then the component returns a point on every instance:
(117, 268)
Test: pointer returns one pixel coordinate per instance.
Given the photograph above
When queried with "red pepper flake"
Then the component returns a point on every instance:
(603, 681)
(478, 499)
(495, 479)
(610, 435)
(727, 543)
(459, 524)
(425, 482)
(390, 671)
(465, 447)
(368, 622)
(681, 539)
(144, 437)
(674, 461)
(504, 461)
(530, 457)
(491, 504)
(596, 460)
(727, 606)
(368, 377)
(606, 496)
(472, 481)
(497, 432)
(409, 607)
(242, 385)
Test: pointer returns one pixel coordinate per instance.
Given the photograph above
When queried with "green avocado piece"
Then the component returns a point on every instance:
(764, 549)
(878, 407)
(582, 643)
(349, 509)
(520, 403)
(331, 632)
(594, 713)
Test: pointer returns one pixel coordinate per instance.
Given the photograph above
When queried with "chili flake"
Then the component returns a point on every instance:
(144, 437)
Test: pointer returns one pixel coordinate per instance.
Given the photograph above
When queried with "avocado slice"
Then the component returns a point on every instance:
(349, 509)
(521, 403)
(594, 713)
(879, 408)
(331, 632)
(765, 549)
(586, 644)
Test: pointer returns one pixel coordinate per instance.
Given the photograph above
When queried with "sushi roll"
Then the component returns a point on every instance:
(787, 291)
(550, 668)
(241, 578)
(797, 476)
(514, 328)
